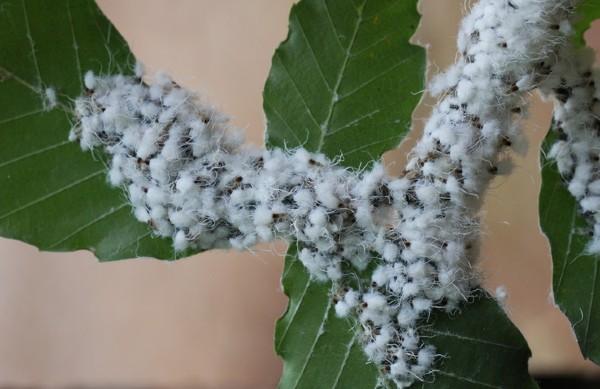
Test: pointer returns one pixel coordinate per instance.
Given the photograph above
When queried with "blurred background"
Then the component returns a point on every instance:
(208, 321)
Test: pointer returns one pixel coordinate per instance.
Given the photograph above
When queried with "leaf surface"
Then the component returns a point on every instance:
(52, 194)
(345, 82)
(575, 276)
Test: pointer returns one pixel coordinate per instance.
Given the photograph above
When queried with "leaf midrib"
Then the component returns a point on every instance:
(334, 96)
(324, 127)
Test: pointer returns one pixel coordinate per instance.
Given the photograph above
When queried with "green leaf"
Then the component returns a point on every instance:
(319, 350)
(52, 194)
(482, 348)
(345, 82)
(575, 277)
(588, 11)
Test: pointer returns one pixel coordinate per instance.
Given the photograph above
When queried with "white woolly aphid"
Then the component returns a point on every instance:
(50, 99)
(188, 177)
(577, 127)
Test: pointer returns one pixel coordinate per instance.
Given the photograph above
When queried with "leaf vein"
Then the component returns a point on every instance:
(312, 52)
(293, 261)
(304, 102)
(354, 122)
(290, 130)
(468, 379)
(376, 77)
(136, 240)
(75, 45)
(471, 339)
(89, 224)
(333, 27)
(335, 99)
(345, 360)
(320, 332)
(52, 194)
(32, 46)
(365, 146)
(563, 270)
(22, 116)
(287, 327)
(373, 44)
(34, 153)
(21, 81)
(589, 313)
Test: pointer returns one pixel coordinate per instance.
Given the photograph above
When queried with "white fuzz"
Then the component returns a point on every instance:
(190, 179)
(89, 80)
(501, 295)
(50, 99)
(574, 85)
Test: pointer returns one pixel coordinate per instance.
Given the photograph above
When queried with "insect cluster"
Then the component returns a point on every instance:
(577, 127)
(189, 176)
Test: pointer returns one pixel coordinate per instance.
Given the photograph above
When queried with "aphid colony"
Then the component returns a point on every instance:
(577, 126)
(190, 178)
